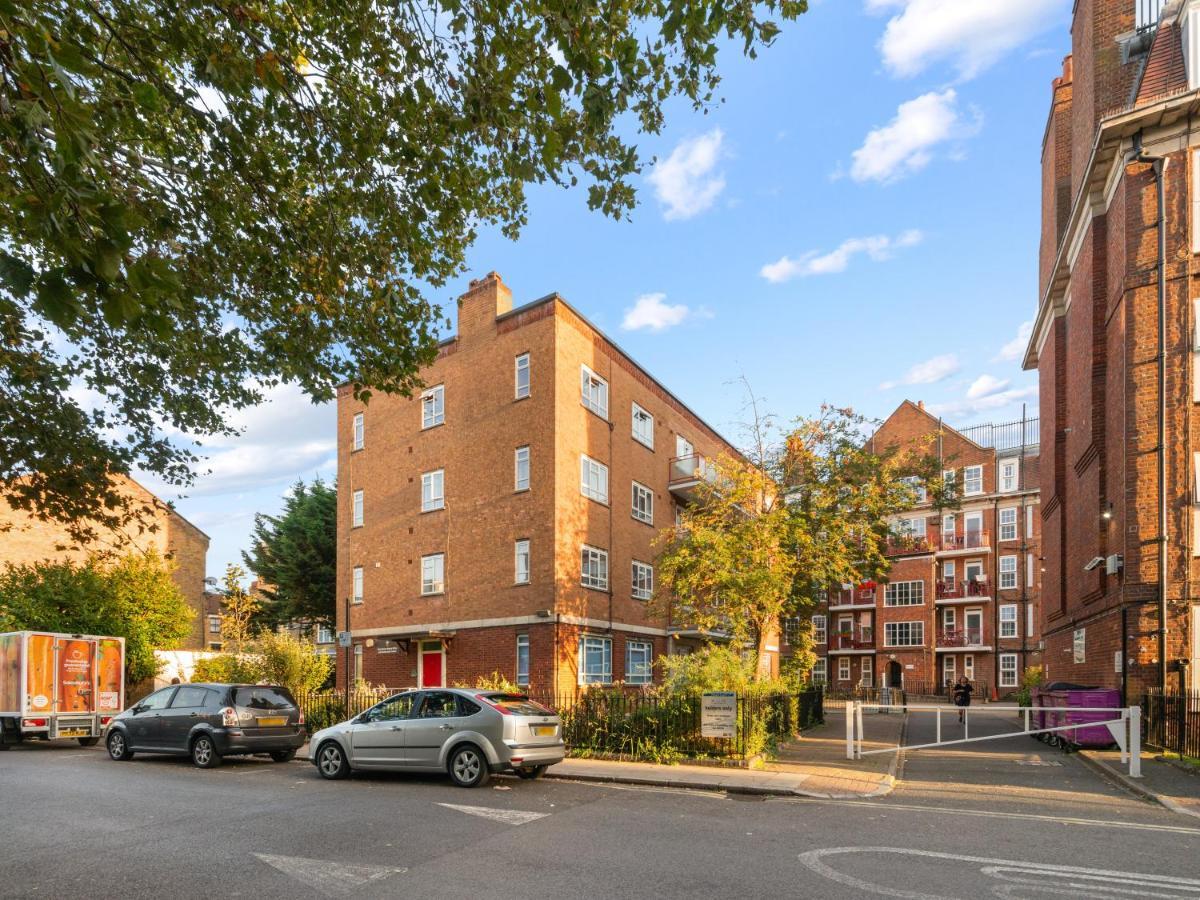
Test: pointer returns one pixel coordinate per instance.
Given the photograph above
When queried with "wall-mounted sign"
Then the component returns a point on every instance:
(718, 714)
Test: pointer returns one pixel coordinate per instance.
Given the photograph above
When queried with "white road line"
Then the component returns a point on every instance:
(507, 816)
(333, 879)
(1056, 879)
(884, 806)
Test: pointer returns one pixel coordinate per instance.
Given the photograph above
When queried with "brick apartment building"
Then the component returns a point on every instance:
(962, 594)
(26, 539)
(1117, 499)
(505, 519)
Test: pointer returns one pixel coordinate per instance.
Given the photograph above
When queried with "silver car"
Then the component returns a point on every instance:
(468, 733)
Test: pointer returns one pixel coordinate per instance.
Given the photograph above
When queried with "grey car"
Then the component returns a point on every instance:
(468, 733)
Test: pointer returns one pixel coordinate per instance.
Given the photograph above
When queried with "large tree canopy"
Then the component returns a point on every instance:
(295, 554)
(201, 198)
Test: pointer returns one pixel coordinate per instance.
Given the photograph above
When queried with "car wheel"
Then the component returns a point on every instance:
(204, 753)
(283, 755)
(332, 762)
(89, 742)
(468, 766)
(532, 772)
(118, 746)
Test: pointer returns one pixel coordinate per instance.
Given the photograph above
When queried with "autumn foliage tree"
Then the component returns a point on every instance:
(199, 200)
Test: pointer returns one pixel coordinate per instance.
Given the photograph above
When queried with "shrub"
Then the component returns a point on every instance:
(497, 681)
(226, 668)
(286, 660)
(1031, 678)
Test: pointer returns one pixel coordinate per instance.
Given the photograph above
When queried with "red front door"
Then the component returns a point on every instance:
(431, 666)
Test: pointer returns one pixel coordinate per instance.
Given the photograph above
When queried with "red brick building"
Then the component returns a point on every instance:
(962, 596)
(505, 519)
(1119, 501)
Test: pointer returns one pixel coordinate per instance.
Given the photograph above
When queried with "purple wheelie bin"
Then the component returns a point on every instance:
(1072, 700)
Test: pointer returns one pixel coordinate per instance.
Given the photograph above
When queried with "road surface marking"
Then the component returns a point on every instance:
(333, 879)
(993, 814)
(1041, 877)
(507, 816)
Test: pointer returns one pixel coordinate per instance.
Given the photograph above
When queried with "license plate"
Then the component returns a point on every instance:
(272, 722)
(543, 730)
(73, 732)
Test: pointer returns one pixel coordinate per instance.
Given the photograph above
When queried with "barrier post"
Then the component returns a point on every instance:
(858, 707)
(850, 704)
(1135, 742)
(1027, 719)
(939, 724)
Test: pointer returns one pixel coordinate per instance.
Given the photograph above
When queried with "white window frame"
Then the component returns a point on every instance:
(949, 669)
(1008, 620)
(356, 584)
(433, 574)
(866, 671)
(1029, 521)
(1006, 484)
(1029, 629)
(914, 632)
(1008, 573)
(1008, 529)
(433, 490)
(969, 666)
(909, 596)
(643, 580)
(820, 632)
(521, 469)
(1029, 570)
(214, 620)
(523, 658)
(1008, 670)
(521, 562)
(644, 436)
(918, 485)
(949, 572)
(593, 568)
(593, 392)
(593, 479)
(356, 509)
(820, 670)
(604, 646)
(644, 674)
(972, 565)
(433, 407)
(972, 475)
(643, 512)
(843, 668)
(949, 476)
(358, 440)
(521, 364)
(1079, 645)
(325, 634)
(948, 524)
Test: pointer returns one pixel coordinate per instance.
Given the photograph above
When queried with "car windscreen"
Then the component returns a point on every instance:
(518, 705)
(263, 698)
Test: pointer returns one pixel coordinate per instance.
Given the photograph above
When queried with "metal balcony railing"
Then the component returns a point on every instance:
(855, 597)
(950, 590)
(960, 637)
(971, 540)
(688, 470)
(1146, 14)
(909, 545)
(856, 639)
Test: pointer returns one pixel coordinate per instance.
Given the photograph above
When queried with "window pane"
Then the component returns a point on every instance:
(522, 562)
(522, 376)
(358, 431)
(522, 469)
(356, 516)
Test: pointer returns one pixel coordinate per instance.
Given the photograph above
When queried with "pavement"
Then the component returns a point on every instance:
(814, 765)
(1170, 783)
(75, 823)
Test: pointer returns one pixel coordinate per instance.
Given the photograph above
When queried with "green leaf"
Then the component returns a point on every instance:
(16, 274)
(147, 96)
(55, 300)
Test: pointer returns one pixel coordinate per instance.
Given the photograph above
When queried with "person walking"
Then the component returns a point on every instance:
(962, 695)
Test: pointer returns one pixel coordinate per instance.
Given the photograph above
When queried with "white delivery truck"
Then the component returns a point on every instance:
(59, 686)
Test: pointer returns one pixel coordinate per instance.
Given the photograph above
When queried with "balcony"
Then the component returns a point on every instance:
(956, 591)
(686, 475)
(971, 540)
(855, 598)
(909, 545)
(1147, 14)
(961, 639)
(856, 640)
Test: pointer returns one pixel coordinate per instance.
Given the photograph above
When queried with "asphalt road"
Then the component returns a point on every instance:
(74, 823)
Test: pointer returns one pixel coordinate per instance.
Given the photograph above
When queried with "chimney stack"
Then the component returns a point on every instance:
(485, 300)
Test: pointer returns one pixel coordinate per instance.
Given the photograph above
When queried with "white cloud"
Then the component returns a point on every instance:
(284, 438)
(1015, 348)
(958, 410)
(685, 182)
(878, 247)
(971, 35)
(906, 144)
(651, 312)
(986, 386)
(930, 371)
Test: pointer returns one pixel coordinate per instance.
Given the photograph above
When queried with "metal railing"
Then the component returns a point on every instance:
(1147, 14)
(950, 590)
(1171, 721)
(1008, 435)
(690, 468)
(855, 597)
(856, 639)
(324, 708)
(908, 545)
(970, 540)
(960, 637)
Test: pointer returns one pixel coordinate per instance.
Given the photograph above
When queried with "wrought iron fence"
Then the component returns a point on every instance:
(1146, 14)
(666, 727)
(324, 708)
(1006, 435)
(1171, 721)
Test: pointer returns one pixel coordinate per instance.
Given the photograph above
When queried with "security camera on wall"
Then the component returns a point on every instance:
(1093, 563)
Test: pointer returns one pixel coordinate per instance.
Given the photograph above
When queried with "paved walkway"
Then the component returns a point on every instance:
(1164, 782)
(814, 765)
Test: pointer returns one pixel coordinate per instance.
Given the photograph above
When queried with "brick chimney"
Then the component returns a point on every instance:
(486, 299)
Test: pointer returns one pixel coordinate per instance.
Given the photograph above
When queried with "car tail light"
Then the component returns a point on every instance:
(104, 720)
(33, 723)
(300, 721)
(517, 760)
(496, 706)
(229, 717)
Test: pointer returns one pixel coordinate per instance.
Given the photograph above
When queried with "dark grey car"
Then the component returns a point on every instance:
(208, 722)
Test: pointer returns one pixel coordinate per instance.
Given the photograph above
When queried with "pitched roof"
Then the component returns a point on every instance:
(1164, 72)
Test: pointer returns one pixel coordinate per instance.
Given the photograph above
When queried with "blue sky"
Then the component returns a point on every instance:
(857, 223)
